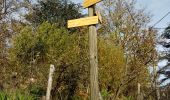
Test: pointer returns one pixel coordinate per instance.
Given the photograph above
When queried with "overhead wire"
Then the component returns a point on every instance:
(161, 19)
(152, 27)
(158, 28)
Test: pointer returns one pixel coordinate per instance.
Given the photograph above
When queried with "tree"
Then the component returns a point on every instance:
(54, 11)
(126, 50)
(165, 55)
(7, 7)
(33, 51)
(126, 27)
(38, 51)
(165, 36)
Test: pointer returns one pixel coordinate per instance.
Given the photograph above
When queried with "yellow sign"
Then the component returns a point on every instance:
(88, 3)
(83, 21)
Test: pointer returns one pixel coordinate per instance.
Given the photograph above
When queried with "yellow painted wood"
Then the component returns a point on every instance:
(88, 3)
(83, 21)
(99, 16)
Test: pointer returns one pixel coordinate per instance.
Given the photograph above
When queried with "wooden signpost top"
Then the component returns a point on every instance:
(88, 20)
(88, 3)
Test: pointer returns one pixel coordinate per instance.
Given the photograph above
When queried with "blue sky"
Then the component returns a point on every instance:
(157, 8)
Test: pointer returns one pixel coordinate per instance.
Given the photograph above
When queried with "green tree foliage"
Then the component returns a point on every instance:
(5, 33)
(54, 11)
(166, 33)
(111, 66)
(165, 36)
(165, 55)
(126, 49)
(34, 50)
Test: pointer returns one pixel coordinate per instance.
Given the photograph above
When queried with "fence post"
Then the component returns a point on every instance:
(52, 69)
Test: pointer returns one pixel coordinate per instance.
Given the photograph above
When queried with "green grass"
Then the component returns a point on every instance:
(15, 96)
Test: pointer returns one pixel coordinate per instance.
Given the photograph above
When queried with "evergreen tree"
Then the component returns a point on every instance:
(54, 11)
(166, 55)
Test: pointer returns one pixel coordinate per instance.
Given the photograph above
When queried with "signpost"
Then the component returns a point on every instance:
(91, 21)
(88, 3)
(94, 91)
(83, 21)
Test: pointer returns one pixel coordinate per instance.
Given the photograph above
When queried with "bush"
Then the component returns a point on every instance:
(37, 92)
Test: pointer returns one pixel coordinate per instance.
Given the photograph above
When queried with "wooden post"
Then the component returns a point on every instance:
(138, 88)
(52, 69)
(94, 91)
(139, 95)
(91, 21)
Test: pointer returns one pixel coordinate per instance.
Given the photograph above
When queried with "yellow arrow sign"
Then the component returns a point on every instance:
(88, 3)
(83, 21)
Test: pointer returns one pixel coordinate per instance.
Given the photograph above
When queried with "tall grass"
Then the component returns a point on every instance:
(15, 96)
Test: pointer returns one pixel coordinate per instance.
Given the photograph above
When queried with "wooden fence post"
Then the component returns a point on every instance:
(139, 95)
(52, 69)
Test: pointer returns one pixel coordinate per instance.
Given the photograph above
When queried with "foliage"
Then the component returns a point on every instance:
(165, 56)
(54, 11)
(36, 91)
(166, 33)
(33, 51)
(3, 96)
(111, 64)
(125, 26)
(164, 70)
(126, 51)
(7, 9)
(15, 96)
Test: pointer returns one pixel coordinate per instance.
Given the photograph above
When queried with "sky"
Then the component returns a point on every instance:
(157, 8)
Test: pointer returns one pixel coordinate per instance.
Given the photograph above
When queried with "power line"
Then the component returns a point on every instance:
(127, 7)
(132, 17)
(158, 28)
(161, 19)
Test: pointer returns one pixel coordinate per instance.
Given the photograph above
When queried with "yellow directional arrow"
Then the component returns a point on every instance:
(83, 21)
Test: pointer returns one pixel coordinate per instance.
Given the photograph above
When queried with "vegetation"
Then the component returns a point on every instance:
(165, 69)
(54, 11)
(126, 52)
(165, 56)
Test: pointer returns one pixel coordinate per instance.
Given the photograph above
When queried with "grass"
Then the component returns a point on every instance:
(15, 96)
